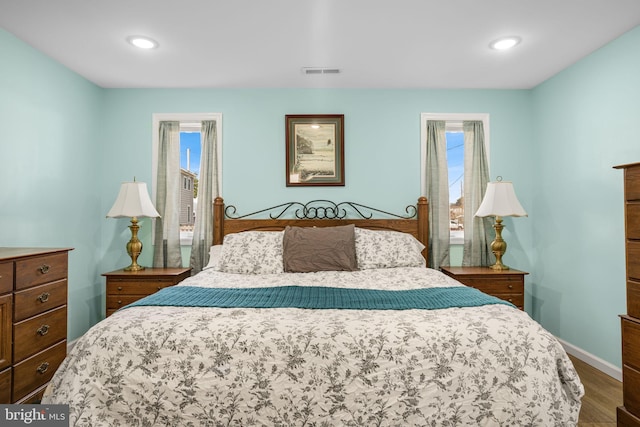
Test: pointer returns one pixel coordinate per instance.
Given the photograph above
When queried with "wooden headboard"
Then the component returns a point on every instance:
(322, 213)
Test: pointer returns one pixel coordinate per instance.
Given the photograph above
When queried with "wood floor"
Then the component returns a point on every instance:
(602, 395)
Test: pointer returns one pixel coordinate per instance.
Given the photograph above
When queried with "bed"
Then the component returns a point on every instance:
(384, 342)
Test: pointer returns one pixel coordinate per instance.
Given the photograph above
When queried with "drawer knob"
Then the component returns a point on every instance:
(44, 297)
(510, 300)
(159, 287)
(43, 330)
(119, 288)
(43, 368)
(119, 302)
(510, 286)
(44, 268)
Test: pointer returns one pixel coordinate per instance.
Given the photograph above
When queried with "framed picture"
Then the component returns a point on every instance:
(315, 150)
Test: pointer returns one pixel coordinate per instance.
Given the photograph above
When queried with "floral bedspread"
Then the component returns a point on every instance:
(174, 366)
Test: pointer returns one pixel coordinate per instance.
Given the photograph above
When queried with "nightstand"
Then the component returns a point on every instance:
(506, 284)
(125, 287)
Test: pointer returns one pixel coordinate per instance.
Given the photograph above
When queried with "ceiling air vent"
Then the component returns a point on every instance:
(320, 70)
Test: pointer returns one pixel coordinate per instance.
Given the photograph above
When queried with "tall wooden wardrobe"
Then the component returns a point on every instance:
(629, 413)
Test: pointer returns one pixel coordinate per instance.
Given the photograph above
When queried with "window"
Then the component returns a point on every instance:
(190, 148)
(455, 163)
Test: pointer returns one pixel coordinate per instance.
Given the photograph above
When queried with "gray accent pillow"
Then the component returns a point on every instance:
(308, 249)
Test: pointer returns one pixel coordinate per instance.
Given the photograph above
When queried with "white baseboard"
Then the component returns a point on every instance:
(601, 365)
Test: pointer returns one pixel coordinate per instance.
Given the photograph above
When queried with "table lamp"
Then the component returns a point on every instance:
(500, 200)
(133, 201)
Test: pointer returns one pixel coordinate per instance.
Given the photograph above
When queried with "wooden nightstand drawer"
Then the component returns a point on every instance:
(39, 299)
(41, 269)
(37, 370)
(515, 299)
(39, 332)
(119, 301)
(497, 285)
(6, 277)
(125, 287)
(142, 287)
(507, 284)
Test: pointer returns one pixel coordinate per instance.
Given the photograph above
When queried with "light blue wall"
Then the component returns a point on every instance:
(50, 151)
(66, 145)
(585, 120)
(382, 145)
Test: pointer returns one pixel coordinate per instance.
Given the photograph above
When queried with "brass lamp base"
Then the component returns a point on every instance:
(134, 247)
(498, 246)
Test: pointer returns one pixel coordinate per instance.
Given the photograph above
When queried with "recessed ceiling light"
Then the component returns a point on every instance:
(505, 43)
(142, 42)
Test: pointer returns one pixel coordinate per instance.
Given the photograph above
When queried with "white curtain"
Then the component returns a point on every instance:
(208, 190)
(477, 231)
(437, 193)
(167, 231)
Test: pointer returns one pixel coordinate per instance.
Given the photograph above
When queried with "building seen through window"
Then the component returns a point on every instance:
(189, 171)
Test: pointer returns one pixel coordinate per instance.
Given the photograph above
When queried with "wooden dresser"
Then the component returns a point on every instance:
(33, 320)
(629, 413)
(125, 287)
(504, 284)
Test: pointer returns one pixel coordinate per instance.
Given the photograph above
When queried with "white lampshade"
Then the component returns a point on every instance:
(500, 200)
(133, 201)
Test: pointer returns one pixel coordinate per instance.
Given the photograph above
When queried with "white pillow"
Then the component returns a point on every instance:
(214, 257)
(387, 249)
(252, 252)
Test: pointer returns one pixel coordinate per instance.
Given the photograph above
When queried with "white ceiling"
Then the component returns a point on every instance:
(265, 43)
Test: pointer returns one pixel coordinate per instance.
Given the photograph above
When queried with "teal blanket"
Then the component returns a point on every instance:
(318, 297)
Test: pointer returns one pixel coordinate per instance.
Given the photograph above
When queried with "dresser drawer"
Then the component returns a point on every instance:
(630, 387)
(37, 370)
(136, 287)
(6, 277)
(633, 220)
(633, 298)
(630, 343)
(633, 260)
(41, 269)
(34, 398)
(6, 330)
(632, 183)
(625, 419)
(39, 299)
(39, 332)
(5, 386)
